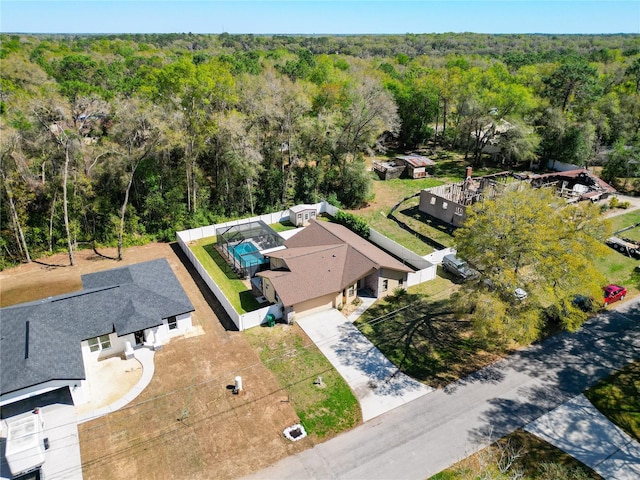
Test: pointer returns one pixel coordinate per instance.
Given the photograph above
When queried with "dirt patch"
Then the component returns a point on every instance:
(186, 423)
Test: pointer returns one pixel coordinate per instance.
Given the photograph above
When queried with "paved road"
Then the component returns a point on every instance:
(433, 432)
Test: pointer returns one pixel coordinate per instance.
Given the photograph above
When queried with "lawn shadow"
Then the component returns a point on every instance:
(425, 340)
(432, 222)
(385, 378)
(220, 262)
(423, 238)
(248, 301)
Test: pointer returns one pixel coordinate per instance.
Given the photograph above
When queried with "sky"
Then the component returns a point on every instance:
(320, 16)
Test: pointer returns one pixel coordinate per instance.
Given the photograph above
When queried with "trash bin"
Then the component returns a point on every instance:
(271, 320)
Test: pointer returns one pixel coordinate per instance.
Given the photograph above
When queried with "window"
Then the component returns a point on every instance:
(352, 290)
(433, 200)
(401, 282)
(444, 205)
(173, 323)
(459, 211)
(102, 342)
(385, 285)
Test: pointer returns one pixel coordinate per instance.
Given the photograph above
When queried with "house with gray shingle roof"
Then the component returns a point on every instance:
(324, 265)
(46, 345)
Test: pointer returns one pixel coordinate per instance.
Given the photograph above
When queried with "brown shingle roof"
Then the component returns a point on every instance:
(325, 258)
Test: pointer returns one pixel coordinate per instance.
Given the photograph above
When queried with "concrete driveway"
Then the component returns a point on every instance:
(376, 382)
(579, 429)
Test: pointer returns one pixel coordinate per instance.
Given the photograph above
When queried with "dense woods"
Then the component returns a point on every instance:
(116, 140)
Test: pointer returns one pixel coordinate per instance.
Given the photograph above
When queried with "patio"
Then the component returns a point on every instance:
(114, 382)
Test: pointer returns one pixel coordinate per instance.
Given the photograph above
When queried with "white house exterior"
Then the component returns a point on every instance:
(47, 344)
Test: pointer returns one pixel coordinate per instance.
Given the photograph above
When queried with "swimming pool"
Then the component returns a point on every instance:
(247, 254)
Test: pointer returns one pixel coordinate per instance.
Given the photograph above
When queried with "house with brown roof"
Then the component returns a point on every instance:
(323, 267)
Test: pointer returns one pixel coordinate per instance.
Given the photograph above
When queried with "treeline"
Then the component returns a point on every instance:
(114, 140)
(513, 49)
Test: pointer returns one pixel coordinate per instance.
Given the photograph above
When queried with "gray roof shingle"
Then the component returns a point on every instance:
(40, 341)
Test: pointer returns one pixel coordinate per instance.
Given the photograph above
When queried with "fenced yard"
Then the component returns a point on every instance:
(236, 289)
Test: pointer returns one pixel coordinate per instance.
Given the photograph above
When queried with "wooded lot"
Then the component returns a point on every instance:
(121, 139)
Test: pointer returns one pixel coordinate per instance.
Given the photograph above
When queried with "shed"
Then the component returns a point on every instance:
(416, 165)
(301, 214)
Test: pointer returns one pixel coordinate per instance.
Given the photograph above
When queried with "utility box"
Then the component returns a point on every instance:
(271, 320)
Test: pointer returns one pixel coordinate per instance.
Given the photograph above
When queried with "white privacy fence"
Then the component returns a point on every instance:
(438, 255)
(425, 265)
(561, 166)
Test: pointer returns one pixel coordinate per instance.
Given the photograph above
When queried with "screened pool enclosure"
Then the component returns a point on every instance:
(241, 245)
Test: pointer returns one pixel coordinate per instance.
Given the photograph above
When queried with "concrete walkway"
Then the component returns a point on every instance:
(378, 385)
(580, 430)
(145, 357)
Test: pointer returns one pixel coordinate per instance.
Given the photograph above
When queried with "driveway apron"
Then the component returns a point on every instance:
(378, 385)
(580, 430)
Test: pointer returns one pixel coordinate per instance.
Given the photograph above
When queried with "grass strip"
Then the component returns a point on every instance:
(235, 289)
(618, 398)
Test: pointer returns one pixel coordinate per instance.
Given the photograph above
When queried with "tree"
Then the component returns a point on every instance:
(137, 133)
(195, 93)
(622, 162)
(529, 238)
(572, 83)
(9, 176)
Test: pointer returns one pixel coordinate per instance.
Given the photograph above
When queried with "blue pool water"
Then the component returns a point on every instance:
(247, 254)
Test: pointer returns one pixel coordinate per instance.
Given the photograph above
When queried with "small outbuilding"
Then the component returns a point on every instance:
(300, 215)
(415, 165)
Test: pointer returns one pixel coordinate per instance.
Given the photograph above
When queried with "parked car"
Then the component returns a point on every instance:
(613, 293)
(520, 294)
(458, 267)
(582, 302)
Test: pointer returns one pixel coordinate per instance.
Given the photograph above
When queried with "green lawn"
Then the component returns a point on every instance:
(408, 227)
(235, 289)
(420, 334)
(618, 268)
(618, 398)
(296, 362)
(282, 227)
(627, 220)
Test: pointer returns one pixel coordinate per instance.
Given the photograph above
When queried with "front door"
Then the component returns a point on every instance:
(139, 336)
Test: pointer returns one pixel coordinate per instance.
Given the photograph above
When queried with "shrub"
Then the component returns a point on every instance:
(353, 222)
(614, 202)
(399, 292)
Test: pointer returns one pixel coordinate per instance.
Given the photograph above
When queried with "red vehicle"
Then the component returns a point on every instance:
(613, 293)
